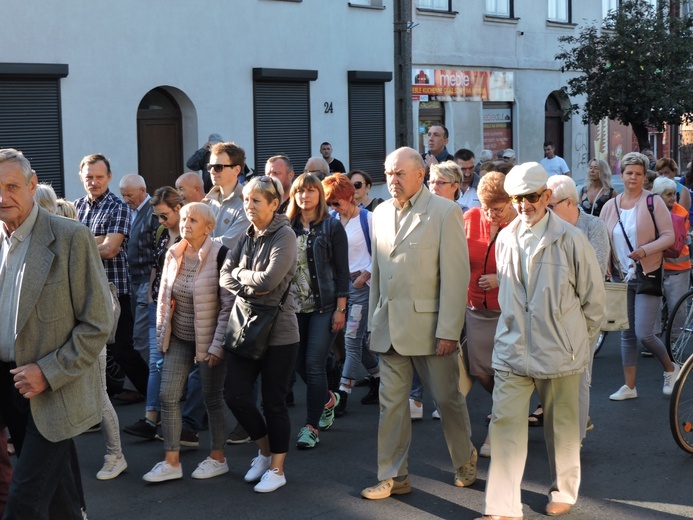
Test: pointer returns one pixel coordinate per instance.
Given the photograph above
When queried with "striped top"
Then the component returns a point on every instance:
(183, 321)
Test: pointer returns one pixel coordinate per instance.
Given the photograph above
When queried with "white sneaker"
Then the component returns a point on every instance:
(271, 481)
(435, 414)
(670, 379)
(163, 471)
(209, 468)
(416, 411)
(258, 466)
(624, 393)
(113, 465)
(485, 450)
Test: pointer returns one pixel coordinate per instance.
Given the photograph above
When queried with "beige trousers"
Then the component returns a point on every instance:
(440, 377)
(508, 432)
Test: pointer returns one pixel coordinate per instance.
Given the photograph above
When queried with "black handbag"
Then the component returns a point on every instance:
(648, 283)
(249, 328)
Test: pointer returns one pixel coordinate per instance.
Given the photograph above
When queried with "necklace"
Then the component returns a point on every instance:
(354, 212)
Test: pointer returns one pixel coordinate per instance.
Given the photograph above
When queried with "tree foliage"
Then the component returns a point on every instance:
(637, 67)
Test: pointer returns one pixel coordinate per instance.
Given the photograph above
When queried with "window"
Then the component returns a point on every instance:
(502, 8)
(367, 146)
(377, 4)
(31, 120)
(436, 5)
(609, 5)
(282, 114)
(559, 11)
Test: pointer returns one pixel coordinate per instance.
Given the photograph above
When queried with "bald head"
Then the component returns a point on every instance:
(190, 187)
(404, 172)
(317, 164)
(133, 189)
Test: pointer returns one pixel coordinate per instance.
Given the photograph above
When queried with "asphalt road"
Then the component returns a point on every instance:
(631, 466)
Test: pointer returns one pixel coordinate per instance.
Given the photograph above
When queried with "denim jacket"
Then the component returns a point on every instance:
(328, 262)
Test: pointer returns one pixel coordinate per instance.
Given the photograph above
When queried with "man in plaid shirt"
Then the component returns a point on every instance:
(108, 217)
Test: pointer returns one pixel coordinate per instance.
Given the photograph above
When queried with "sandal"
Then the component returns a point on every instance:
(537, 418)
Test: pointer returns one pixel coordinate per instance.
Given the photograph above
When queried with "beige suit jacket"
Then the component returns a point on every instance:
(63, 321)
(420, 276)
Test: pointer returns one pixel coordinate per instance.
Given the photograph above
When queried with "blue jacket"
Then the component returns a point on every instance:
(328, 262)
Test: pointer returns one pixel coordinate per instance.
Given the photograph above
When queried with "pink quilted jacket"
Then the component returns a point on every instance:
(212, 304)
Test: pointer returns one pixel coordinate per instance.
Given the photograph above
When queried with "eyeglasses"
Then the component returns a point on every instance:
(553, 205)
(218, 168)
(493, 211)
(438, 183)
(358, 185)
(508, 157)
(532, 198)
(333, 203)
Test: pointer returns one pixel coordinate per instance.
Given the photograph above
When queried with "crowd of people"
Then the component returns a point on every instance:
(473, 271)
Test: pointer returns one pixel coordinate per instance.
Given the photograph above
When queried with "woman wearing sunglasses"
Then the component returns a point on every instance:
(362, 185)
(357, 223)
(482, 226)
(321, 287)
(167, 203)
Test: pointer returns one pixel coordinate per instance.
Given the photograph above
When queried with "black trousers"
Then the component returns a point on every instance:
(123, 350)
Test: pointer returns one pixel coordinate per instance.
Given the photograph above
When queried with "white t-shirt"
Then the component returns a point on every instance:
(555, 166)
(628, 218)
(359, 259)
(468, 199)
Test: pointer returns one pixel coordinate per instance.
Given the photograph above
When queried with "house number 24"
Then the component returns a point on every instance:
(328, 107)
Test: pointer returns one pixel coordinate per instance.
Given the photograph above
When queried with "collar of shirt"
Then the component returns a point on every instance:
(537, 229)
(98, 200)
(23, 231)
(135, 212)
(409, 203)
(443, 155)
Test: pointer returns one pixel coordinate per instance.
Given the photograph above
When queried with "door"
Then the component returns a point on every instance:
(553, 123)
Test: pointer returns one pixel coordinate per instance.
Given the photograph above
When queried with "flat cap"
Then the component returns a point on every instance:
(525, 178)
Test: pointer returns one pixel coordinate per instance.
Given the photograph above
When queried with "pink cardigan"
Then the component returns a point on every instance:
(645, 228)
(212, 304)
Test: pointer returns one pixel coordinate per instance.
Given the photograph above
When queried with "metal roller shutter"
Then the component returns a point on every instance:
(282, 122)
(30, 122)
(367, 128)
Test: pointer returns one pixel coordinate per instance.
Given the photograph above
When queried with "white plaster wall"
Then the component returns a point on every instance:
(118, 51)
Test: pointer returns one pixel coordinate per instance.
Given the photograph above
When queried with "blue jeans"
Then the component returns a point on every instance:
(316, 339)
(154, 382)
(417, 389)
(355, 337)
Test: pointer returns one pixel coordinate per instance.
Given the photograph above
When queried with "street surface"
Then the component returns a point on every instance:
(631, 466)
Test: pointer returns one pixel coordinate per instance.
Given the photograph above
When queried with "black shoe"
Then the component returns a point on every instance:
(290, 399)
(373, 395)
(238, 435)
(363, 382)
(143, 428)
(340, 409)
(189, 439)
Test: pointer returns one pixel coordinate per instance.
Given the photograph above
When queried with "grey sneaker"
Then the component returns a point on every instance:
(238, 435)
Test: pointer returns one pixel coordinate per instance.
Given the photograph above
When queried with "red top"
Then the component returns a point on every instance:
(482, 258)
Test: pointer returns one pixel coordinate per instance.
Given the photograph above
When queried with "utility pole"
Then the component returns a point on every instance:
(403, 108)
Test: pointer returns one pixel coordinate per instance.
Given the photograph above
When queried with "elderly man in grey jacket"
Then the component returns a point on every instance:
(551, 297)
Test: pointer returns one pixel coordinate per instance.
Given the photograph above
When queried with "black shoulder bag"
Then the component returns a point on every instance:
(648, 283)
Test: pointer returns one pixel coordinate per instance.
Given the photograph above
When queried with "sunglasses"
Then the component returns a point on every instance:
(218, 168)
(358, 185)
(163, 217)
(532, 198)
(267, 179)
(333, 203)
(551, 206)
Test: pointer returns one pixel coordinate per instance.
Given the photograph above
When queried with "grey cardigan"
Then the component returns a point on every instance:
(265, 263)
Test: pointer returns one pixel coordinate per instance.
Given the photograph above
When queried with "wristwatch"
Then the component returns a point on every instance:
(339, 309)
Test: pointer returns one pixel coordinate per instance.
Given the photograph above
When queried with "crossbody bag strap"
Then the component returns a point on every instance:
(625, 235)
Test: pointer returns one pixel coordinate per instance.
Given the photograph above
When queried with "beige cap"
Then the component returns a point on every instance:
(525, 178)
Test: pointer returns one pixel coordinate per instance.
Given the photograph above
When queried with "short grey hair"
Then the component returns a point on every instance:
(10, 154)
(450, 171)
(264, 188)
(635, 159)
(486, 155)
(563, 187)
(200, 209)
(662, 184)
(132, 180)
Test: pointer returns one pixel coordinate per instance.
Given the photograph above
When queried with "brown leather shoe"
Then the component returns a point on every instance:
(496, 517)
(466, 475)
(387, 487)
(557, 508)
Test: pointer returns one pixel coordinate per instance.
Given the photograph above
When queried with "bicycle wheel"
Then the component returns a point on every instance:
(681, 408)
(600, 341)
(679, 334)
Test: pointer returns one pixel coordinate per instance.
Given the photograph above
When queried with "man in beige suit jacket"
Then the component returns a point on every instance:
(417, 302)
(55, 316)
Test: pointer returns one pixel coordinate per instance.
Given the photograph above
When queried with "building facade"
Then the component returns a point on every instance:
(145, 83)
